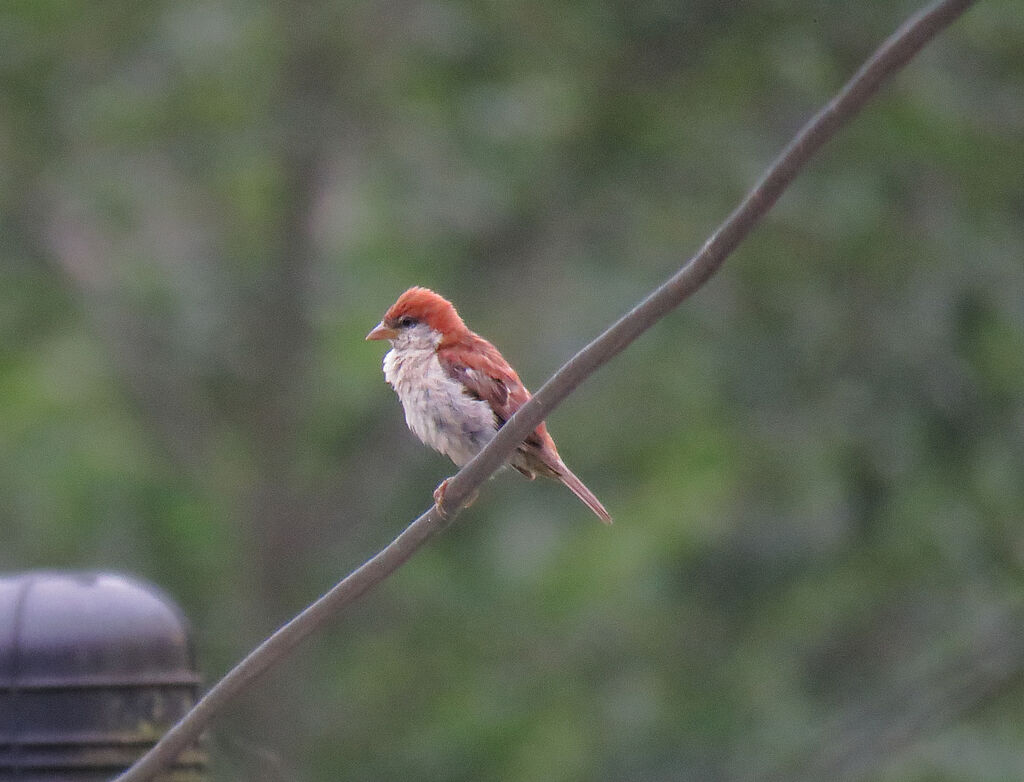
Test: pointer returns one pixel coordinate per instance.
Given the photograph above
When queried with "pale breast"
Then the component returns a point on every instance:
(437, 409)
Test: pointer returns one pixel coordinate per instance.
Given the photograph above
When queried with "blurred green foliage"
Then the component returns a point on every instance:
(816, 466)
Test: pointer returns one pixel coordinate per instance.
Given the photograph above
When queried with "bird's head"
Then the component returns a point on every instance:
(420, 318)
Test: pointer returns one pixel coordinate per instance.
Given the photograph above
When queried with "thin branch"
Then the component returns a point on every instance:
(889, 58)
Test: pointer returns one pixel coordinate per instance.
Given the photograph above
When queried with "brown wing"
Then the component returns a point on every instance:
(485, 375)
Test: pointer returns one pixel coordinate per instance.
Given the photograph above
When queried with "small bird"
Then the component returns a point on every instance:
(458, 390)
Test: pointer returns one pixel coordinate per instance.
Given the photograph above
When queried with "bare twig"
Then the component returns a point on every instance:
(892, 55)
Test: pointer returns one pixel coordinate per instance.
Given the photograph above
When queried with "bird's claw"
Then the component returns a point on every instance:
(439, 499)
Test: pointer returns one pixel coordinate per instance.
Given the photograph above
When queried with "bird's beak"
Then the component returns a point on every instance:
(380, 331)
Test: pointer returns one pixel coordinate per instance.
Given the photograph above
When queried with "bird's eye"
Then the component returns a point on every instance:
(405, 321)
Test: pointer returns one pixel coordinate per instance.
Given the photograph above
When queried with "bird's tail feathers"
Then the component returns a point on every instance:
(575, 485)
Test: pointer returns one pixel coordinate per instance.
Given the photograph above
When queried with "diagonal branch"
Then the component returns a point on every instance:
(889, 58)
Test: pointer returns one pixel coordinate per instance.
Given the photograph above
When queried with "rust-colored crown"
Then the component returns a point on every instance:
(425, 306)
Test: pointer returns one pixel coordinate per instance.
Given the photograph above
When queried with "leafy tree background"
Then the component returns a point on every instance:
(816, 466)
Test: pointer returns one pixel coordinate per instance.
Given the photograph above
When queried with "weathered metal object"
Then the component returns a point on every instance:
(94, 668)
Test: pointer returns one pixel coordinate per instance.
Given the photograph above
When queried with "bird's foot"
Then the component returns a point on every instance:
(439, 499)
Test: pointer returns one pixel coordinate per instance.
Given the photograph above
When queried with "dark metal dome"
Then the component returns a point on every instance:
(94, 667)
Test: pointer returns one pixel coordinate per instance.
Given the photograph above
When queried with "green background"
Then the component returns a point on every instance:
(816, 466)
